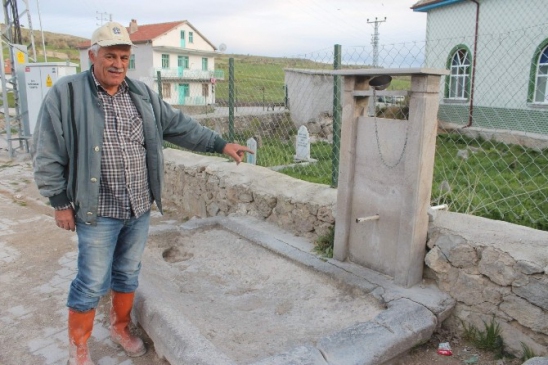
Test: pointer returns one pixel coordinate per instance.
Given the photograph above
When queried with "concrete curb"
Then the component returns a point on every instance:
(392, 333)
(175, 337)
(537, 361)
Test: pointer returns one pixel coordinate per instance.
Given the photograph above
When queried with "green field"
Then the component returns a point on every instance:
(497, 181)
(260, 80)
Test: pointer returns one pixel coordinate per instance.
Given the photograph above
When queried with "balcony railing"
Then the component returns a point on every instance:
(186, 74)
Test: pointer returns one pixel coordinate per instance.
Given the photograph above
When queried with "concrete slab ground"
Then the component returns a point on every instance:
(241, 291)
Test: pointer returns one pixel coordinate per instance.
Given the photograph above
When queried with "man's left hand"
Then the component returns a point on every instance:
(236, 151)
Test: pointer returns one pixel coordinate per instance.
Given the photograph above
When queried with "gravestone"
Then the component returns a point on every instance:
(302, 145)
(251, 158)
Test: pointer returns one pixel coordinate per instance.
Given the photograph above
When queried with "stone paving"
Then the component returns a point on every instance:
(37, 264)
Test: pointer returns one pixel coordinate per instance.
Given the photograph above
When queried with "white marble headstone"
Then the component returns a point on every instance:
(302, 145)
(251, 158)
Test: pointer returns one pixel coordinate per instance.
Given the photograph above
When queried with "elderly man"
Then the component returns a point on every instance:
(98, 158)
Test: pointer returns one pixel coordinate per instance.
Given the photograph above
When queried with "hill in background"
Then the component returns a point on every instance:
(53, 40)
(58, 46)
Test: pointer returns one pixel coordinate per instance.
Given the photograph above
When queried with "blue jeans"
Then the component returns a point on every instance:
(109, 256)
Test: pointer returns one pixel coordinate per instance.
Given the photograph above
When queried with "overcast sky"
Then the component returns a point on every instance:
(259, 27)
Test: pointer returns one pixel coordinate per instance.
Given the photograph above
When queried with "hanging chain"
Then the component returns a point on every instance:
(378, 140)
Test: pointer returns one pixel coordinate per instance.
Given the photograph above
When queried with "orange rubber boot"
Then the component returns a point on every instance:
(120, 316)
(80, 325)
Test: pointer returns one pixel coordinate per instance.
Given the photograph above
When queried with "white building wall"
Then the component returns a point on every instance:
(502, 54)
(169, 39)
(85, 63)
(157, 60)
(143, 62)
(194, 61)
(173, 39)
(195, 94)
(310, 95)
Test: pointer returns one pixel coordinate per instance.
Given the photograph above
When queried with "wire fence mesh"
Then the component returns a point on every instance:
(492, 147)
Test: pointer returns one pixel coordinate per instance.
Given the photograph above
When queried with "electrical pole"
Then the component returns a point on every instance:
(102, 17)
(372, 107)
(31, 31)
(375, 40)
(15, 130)
(42, 31)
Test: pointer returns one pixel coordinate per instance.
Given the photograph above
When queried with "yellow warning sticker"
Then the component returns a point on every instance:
(20, 57)
(49, 82)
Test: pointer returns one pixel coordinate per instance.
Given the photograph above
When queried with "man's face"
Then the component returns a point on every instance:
(110, 66)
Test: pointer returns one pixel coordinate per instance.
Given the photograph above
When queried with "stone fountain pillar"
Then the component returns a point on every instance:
(385, 174)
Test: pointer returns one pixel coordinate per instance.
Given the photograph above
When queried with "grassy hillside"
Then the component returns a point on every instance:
(260, 79)
(257, 78)
(59, 47)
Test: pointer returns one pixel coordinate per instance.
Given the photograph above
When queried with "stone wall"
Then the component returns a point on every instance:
(492, 269)
(205, 186)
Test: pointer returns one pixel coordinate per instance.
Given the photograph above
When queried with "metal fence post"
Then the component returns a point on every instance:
(231, 99)
(336, 118)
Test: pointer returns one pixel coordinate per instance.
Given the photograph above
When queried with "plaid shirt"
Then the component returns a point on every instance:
(123, 189)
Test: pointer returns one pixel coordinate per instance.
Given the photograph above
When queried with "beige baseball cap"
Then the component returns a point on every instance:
(111, 34)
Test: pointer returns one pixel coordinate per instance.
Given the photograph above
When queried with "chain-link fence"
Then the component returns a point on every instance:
(492, 146)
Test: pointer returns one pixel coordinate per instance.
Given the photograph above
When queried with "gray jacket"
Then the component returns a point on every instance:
(68, 140)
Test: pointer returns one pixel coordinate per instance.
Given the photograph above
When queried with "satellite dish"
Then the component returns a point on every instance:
(222, 47)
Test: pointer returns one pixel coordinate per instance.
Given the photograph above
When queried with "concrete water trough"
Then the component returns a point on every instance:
(241, 291)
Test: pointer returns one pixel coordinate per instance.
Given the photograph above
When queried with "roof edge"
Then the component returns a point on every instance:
(433, 5)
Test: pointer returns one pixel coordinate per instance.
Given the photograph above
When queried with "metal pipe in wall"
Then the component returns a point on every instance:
(474, 56)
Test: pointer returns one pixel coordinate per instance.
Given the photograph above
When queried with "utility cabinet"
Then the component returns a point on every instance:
(39, 78)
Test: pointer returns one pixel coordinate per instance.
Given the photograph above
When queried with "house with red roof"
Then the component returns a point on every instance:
(184, 58)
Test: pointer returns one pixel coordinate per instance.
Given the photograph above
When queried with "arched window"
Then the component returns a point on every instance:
(459, 80)
(541, 84)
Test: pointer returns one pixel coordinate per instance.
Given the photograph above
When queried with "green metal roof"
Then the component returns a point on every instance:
(426, 5)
